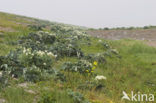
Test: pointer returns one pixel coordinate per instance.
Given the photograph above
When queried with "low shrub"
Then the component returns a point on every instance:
(47, 97)
(32, 65)
(102, 57)
(77, 97)
(4, 79)
(66, 49)
(36, 27)
(82, 66)
(40, 37)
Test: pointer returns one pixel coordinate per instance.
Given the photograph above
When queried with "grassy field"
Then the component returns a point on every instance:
(133, 70)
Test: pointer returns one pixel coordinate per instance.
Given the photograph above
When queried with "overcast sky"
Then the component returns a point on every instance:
(90, 13)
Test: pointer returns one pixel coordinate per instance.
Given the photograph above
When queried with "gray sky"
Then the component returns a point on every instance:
(90, 13)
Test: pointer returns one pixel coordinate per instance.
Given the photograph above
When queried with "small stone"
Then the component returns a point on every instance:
(23, 85)
(30, 91)
(2, 101)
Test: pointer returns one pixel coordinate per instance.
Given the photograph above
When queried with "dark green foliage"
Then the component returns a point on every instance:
(48, 97)
(12, 64)
(60, 76)
(30, 66)
(36, 27)
(39, 62)
(32, 44)
(82, 66)
(33, 74)
(4, 79)
(77, 97)
(40, 37)
(66, 49)
(100, 58)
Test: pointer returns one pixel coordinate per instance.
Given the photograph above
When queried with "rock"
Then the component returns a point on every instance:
(23, 85)
(30, 91)
(2, 101)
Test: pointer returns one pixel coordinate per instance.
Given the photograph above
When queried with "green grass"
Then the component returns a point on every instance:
(17, 30)
(135, 70)
(17, 95)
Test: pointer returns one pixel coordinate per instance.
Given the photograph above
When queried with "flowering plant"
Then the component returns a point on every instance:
(82, 66)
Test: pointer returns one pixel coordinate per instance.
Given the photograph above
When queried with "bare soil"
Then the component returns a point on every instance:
(6, 29)
(141, 34)
(151, 43)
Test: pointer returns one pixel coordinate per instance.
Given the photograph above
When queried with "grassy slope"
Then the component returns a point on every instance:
(134, 71)
(15, 24)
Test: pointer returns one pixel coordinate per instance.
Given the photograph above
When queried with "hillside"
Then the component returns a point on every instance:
(137, 34)
(49, 62)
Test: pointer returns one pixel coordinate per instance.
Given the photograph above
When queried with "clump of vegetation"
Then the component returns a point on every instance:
(77, 97)
(32, 66)
(4, 79)
(66, 48)
(82, 66)
(36, 27)
(48, 97)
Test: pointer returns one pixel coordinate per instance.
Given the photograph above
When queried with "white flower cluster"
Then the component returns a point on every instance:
(69, 46)
(1, 74)
(100, 41)
(100, 77)
(37, 42)
(27, 51)
(80, 33)
(41, 53)
(87, 63)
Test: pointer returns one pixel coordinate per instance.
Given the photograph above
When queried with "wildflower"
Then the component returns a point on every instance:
(86, 62)
(50, 54)
(52, 34)
(69, 45)
(12, 75)
(40, 53)
(87, 71)
(93, 68)
(0, 74)
(55, 56)
(76, 68)
(100, 77)
(44, 64)
(100, 41)
(37, 42)
(95, 63)
(24, 50)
